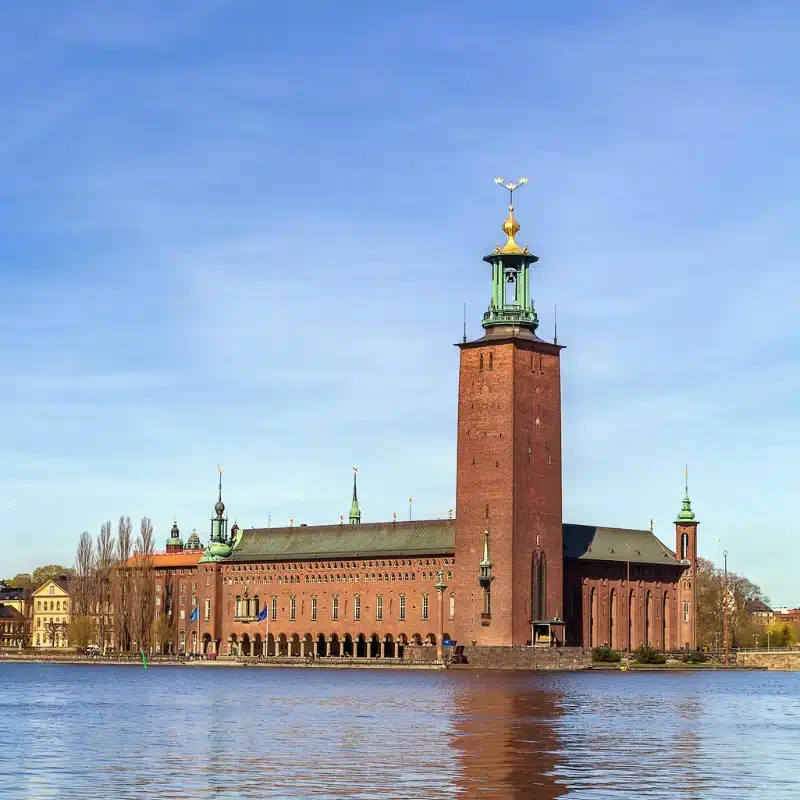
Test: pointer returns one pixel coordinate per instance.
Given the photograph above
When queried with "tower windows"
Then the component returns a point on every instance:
(684, 546)
(487, 600)
(357, 608)
(491, 361)
(274, 608)
(487, 511)
(402, 606)
(313, 609)
(335, 608)
(379, 608)
(292, 608)
(480, 363)
(207, 611)
(425, 606)
(686, 611)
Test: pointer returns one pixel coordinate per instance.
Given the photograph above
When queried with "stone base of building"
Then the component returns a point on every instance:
(549, 658)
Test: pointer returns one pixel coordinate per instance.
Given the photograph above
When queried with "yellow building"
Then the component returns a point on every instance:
(52, 612)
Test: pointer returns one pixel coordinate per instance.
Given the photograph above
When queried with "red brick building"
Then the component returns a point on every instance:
(507, 571)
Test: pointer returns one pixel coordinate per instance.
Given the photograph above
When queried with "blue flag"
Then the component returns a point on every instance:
(264, 614)
(195, 614)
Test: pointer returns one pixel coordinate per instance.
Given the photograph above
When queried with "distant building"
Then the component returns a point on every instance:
(52, 614)
(760, 612)
(14, 627)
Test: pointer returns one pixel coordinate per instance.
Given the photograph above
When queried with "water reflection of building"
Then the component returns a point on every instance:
(505, 737)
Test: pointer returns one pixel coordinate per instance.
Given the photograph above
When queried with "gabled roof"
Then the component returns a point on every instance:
(591, 543)
(757, 607)
(367, 540)
(62, 584)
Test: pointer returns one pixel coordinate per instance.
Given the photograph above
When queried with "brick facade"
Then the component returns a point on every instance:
(509, 483)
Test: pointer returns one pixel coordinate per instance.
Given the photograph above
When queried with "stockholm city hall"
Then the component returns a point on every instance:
(506, 571)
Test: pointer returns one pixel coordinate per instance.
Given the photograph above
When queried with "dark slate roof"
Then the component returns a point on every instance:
(429, 537)
(757, 607)
(7, 612)
(590, 543)
(11, 593)
(367, 540)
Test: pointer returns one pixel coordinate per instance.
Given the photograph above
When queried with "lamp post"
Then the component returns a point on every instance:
(725, 609)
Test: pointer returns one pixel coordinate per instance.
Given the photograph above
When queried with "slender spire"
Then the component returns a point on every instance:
(486, 562)
(355, 511)
(686, 514)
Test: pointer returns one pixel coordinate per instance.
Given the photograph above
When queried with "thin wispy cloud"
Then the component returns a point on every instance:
(230, 236)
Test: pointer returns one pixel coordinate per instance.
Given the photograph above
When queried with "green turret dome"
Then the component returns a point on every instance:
(220, 549)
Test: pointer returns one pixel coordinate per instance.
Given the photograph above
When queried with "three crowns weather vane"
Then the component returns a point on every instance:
(511, 187)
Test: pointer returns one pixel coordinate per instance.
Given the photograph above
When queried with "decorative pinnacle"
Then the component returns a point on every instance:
(511, 226)
(355, 511)
(485, 561)
(686, 514)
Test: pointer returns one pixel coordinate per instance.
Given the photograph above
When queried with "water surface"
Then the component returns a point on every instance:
(203, 732)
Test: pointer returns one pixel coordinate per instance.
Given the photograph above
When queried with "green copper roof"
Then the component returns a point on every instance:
(429, 537)
(686, 514)
(590, 543)
(367, 540)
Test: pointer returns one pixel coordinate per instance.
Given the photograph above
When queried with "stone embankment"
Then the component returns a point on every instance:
(765, 659)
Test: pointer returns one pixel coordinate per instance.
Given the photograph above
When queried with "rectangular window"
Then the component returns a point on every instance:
(357, 608)
(402, 606)
(686, 612)
(194, 600)
(208, 580)
(183, 600)
(158, 588)
(379, 608)
(487, 602)
(424, 606)
(158, 601)
(194, 586)
(274, 608)
(183, 586)
(335, 608)
(313, 608)
(292, 607)
(183, 613)
(158, 613)
(208, 609)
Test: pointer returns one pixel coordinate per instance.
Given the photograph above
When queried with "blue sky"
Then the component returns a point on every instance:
(243, 232)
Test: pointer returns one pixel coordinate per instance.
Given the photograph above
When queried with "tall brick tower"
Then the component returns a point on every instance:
(686, 551)
(509, 572)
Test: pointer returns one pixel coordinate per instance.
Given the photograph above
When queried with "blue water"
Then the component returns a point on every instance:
(214, 732)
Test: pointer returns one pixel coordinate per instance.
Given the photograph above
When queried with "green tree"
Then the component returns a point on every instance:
(22, 580)
(41, 575)
(82, 632)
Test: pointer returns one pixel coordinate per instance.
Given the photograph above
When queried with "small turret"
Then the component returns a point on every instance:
(193, 542)
(174, 543)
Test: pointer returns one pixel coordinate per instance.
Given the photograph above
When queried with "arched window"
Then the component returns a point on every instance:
(684, 546)
(480, 363)
(58, 605)
(238, 606)
(491, 360)
(52, 604)
(183, 642)
(648, 618)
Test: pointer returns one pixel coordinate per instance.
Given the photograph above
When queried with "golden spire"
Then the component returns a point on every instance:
(511, 226)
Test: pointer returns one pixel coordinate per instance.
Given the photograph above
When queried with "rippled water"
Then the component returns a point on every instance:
(198, 732)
